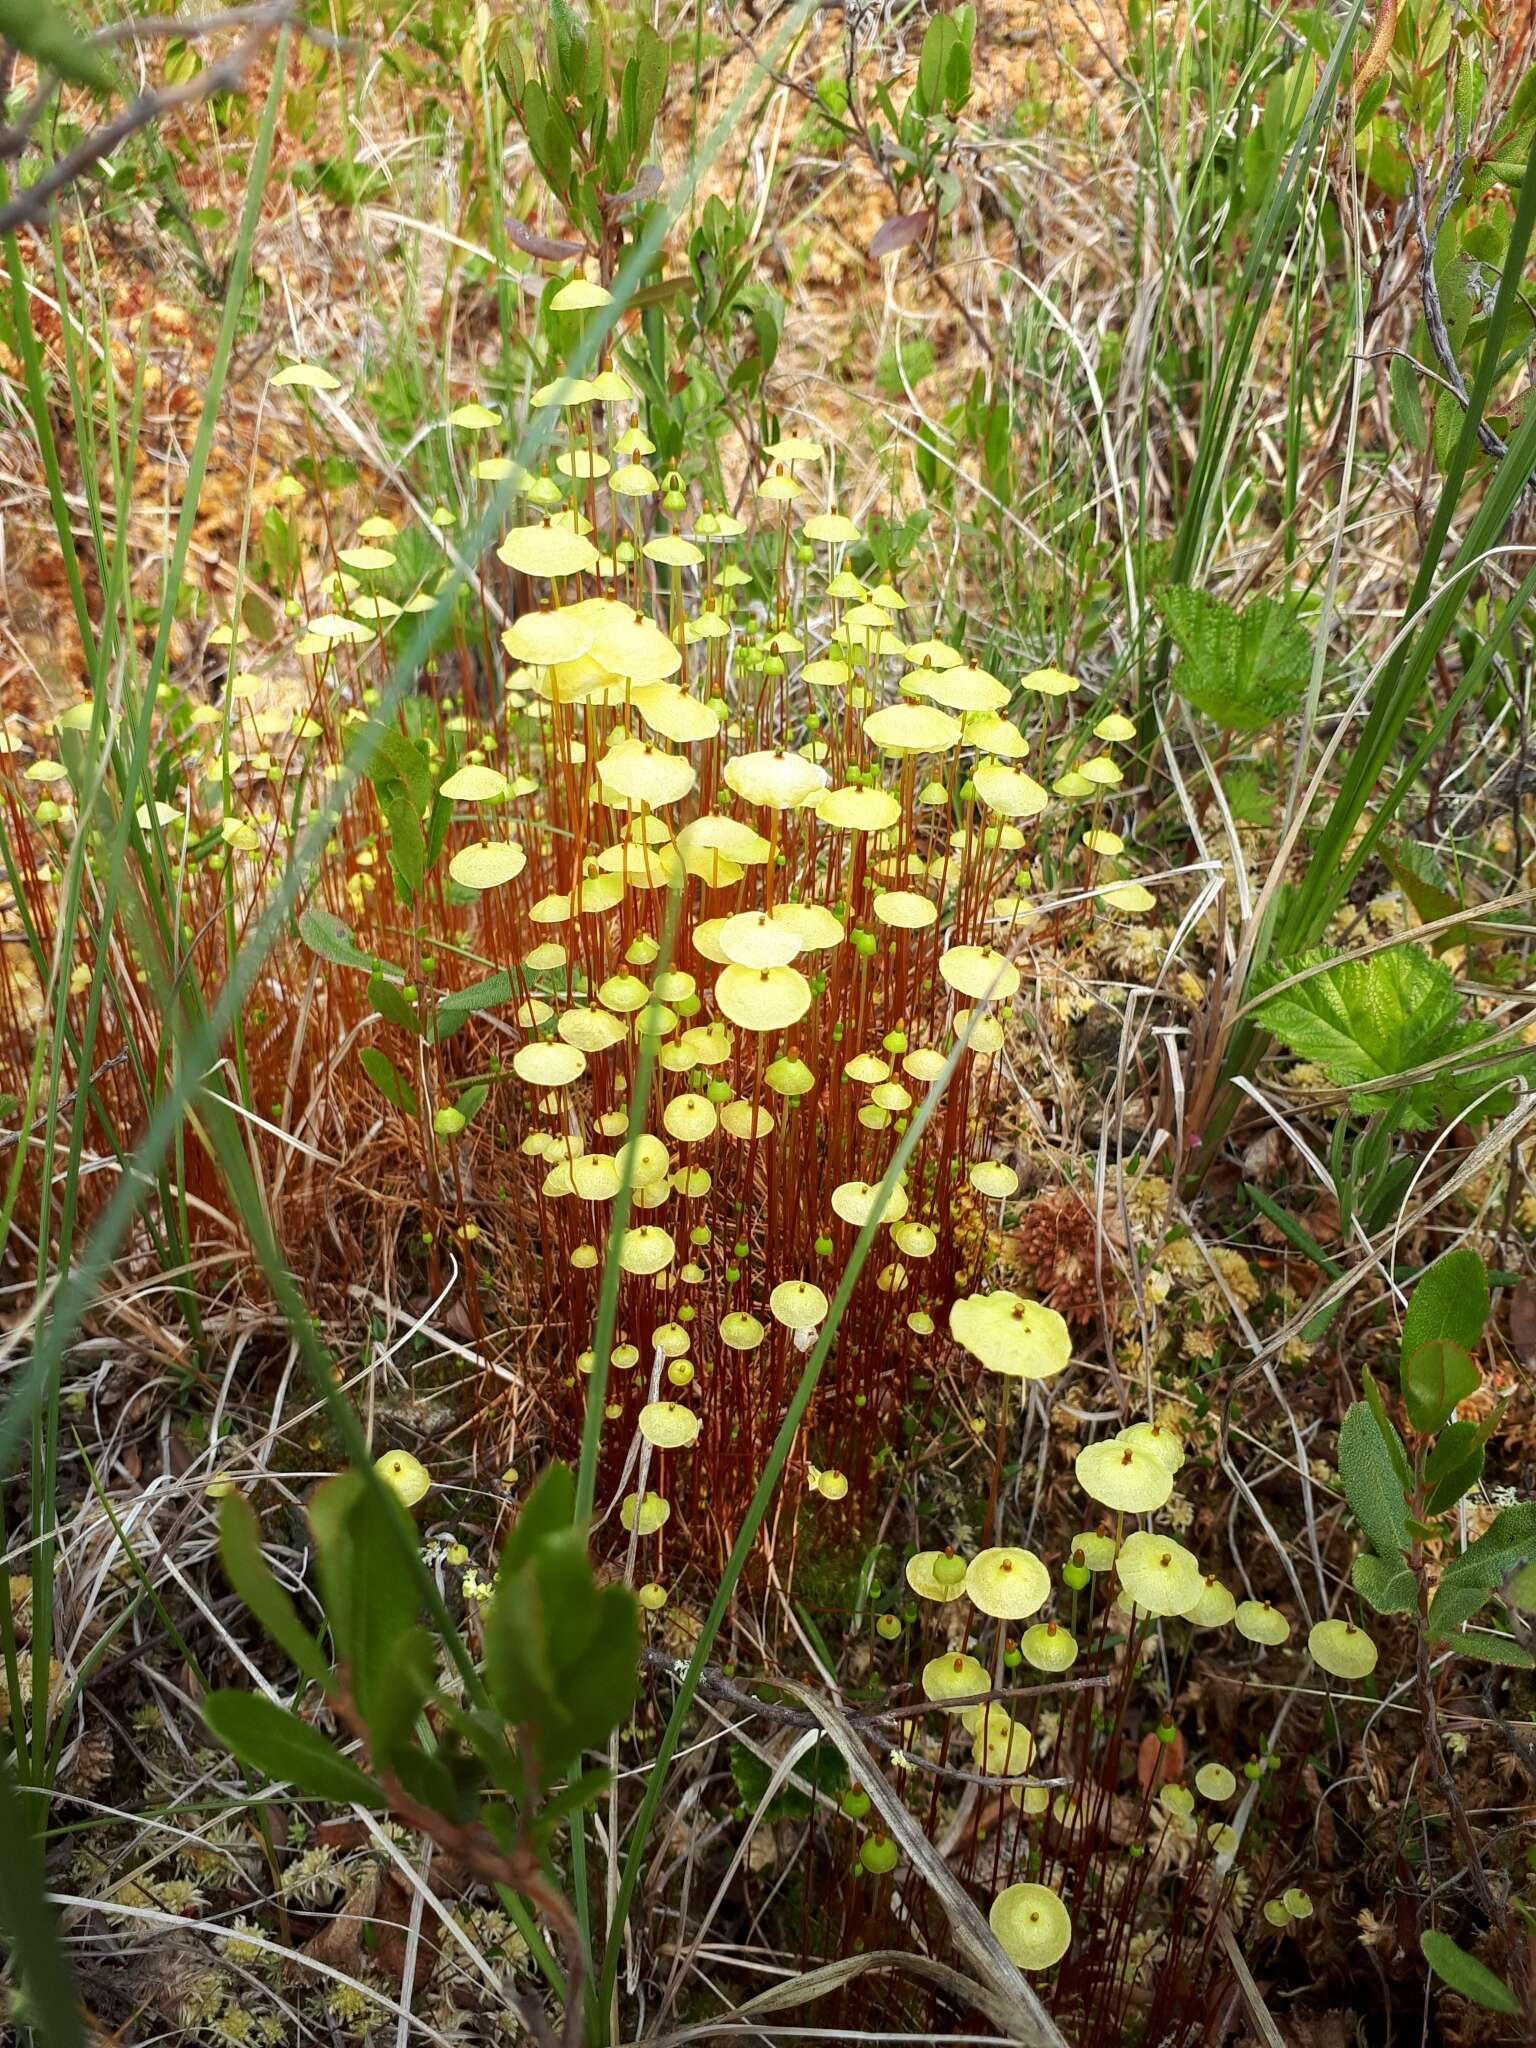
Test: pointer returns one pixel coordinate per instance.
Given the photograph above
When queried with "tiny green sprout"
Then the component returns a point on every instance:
(879, 1855)
(888, 1627)
(1253, 1769)
(824, 1251)
(855, 1802)
(948, 1569)
(1075, 1574)
(448, 1122)
(1167, 1733)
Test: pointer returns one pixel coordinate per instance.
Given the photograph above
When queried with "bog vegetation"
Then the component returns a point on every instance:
(765, 1025)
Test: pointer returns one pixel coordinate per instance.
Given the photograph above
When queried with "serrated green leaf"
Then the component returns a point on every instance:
(1369, 1019)
(1389, 1588)
(1370, 1483)
(1464, 1973)
(1243, 669)
(269, 1739)
(249, 1576)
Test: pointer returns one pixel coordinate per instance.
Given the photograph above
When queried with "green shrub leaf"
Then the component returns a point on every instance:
(1436, 1377)
(280, 1746)
(1452, 1965)
(361, 1536)
(1449, 1301)
(249, 1575)
(326, 935)
(1371, 1485)
(1389, 1588)
(387, 1078)
(42, 31)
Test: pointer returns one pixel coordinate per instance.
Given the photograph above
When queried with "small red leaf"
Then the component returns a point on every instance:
(545, 246)
(900, 232)
(1522, 1321)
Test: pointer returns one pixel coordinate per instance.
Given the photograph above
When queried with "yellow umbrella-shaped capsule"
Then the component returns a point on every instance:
(912, 729)
(1261, 1623)
(753, 939)
(548, 1065)
(487, 864)
(817, 929)
(1033, 1927)
(1215, 1607)
(924, 1582)
(1123, 1477)
(1158, 1438)
(1159, 1575)
(406, 1477)
(668, 1425)
(741, 1332)
(1049, 1647)
(1000, 1746)
(764, 998)
(643, 774)
(855, 1201)
(1021, 1339)
(544, 638)
(778, 781)
(1007, 1583)
(645, 1514)
(953, 1677)
(474, 783)
(798, 1305)
(1008, 792)
(690, 1118)
(646, 1249)
(1215, 1781)
(1095, 1549)
(858, 809)
(905, 910)
(547, 551)
(980, 973)
(1342, 1649)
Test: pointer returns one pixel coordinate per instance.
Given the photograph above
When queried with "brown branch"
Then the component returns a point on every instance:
(227, 74)
(1429, 293)
(517, 1869)
(875, 1725)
